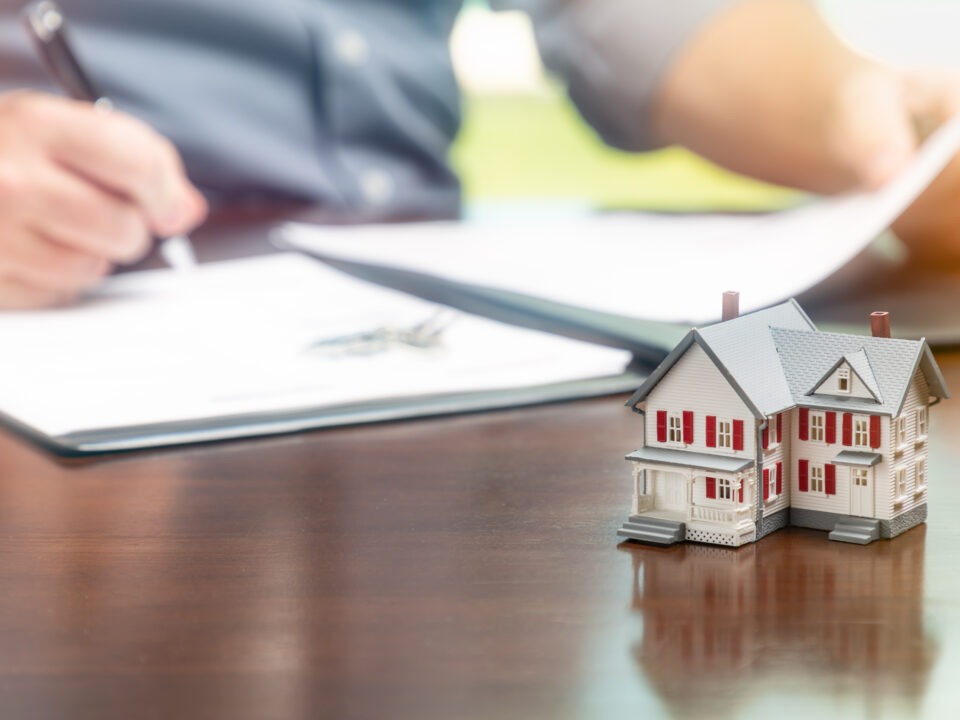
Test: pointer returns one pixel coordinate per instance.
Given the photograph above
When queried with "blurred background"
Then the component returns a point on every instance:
(522, 140)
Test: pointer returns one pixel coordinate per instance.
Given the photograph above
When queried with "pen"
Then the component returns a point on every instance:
(44, 23)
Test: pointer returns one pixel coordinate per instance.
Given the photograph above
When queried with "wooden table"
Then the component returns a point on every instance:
(462, 567)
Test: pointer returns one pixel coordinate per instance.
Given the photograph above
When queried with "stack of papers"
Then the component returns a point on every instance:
(264, 345)
(669, 268)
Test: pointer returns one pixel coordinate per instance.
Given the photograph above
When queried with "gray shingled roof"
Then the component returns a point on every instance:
(806, 357)
(774, 357)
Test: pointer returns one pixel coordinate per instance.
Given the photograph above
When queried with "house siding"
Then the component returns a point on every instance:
(823, 453)
(917, 397)
(773, 455)
(857, 388)
(695, 384)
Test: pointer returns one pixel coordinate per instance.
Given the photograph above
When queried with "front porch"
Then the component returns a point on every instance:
(711, 495)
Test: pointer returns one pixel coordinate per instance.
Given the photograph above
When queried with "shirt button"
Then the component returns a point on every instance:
(377, 186)
(351, 48)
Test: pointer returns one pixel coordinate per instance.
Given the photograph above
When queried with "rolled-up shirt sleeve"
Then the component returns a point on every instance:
(612, 55)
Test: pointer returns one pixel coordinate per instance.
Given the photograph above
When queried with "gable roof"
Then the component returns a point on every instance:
(808, 357)
(773, 358)
(860, 366)
(744, 352)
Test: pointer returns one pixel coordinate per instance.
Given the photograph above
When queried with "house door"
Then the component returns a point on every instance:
(670, 491)
(861, 492)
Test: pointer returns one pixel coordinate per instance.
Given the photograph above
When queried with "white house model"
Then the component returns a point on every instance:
(762, 421)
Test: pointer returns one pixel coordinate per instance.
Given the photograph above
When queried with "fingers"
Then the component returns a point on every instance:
(17, 295)
(85, 217)
(123, 155)
(37, 262)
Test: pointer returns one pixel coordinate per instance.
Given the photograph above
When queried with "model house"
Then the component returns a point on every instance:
(762, 421)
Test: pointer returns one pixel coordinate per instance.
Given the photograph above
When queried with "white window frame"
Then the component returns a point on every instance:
(724, 489)
(901, 432)
(921, 423)
(772, 483)
(674, 431)
(861, 421)
(900, 483)
(861, 477)
(724, 433)
(817, 480)
(920, 475)
(844, 376)
(772, 432)
(818, 430)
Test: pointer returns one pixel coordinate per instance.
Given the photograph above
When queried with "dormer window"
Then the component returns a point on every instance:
(843, 380)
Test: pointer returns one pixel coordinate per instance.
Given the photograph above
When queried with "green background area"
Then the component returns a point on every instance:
(537, 146)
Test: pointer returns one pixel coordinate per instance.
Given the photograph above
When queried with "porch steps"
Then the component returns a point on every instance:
(653, 530)
(855, 530)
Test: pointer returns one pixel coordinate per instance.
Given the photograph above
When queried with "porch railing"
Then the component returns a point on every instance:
(732, 516)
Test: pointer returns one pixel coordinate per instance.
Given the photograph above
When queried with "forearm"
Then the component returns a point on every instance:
(767, 89)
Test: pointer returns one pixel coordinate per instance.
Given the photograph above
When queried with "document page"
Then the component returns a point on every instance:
(657, 267)
(267, 334)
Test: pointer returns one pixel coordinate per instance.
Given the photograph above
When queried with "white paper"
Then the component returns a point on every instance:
(658, 267)
(230, 338)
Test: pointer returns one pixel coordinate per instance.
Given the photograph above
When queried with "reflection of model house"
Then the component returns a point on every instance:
(762, 421)
(761, 620)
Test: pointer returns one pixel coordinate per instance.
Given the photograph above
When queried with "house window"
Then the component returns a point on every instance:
(816, 478)
(861, 432)
(861, 477)
(771, 478)
(921, 415)
(816, 426)
(724, 433)
(920, 467)
(843, 380)
(901, 432)
(675, 428)
(900, 480)
(724, 489)
(770, 432)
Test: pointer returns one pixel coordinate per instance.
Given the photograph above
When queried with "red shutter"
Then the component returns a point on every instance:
(830, 478)
(711, 430)
(766, 484)
(661, 425)
(712, 488)
(688, 427)
(738, 434)
(804, 420)
(874, 431)
(779, 427)
(779, 478)
(742, 483)
(831, 431)
(802, 476)
(765, 436)
(847, 429)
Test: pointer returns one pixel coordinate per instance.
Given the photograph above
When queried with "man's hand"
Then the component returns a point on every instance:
(80, 191)
(767, 89)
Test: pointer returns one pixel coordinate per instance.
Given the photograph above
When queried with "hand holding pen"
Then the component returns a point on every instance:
(81, 190)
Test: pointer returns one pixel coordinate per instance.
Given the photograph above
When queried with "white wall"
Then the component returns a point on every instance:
(694, 383)
(917, 396)
(858, 388)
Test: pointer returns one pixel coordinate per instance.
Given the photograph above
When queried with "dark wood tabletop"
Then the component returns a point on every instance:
(462, 567)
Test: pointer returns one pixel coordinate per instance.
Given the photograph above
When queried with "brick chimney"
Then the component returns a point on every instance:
(731, 305)
(880, 324)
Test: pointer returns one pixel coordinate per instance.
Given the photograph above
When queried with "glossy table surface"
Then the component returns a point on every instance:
(463, 567)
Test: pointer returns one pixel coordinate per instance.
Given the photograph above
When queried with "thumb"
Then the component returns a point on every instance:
(932, 97)
(878, 138)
